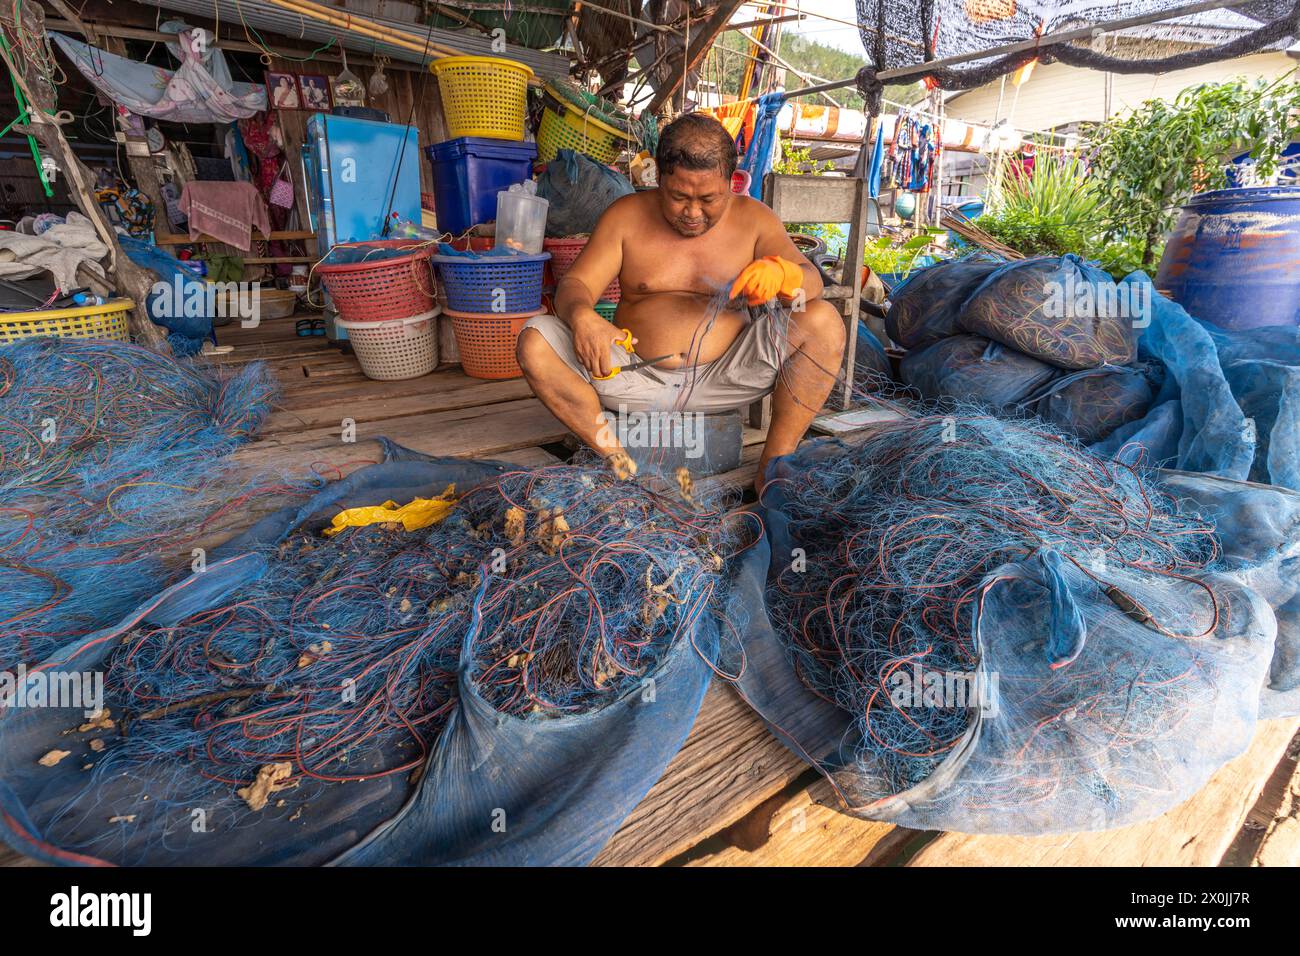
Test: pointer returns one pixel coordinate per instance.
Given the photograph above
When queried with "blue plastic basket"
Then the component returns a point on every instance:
(500, 284)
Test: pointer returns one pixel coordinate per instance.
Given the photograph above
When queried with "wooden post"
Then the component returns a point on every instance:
(131, 280)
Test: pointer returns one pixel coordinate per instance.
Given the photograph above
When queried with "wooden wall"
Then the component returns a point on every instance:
(410, 95)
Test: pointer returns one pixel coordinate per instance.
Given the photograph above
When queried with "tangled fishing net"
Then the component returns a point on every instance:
(547, 594)
(1017, 636)
(108, 452)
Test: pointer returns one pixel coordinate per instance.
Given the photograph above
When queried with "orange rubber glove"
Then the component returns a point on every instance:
(764, 278)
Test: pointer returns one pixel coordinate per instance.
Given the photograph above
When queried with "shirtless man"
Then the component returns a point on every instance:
(673, 249)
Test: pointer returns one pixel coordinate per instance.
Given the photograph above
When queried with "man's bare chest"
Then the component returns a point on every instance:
(700, 265)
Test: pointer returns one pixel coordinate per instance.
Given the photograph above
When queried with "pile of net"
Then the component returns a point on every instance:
(109, 453)
(973, 625)
(579, 190)
(1051, 337)
(496, 672)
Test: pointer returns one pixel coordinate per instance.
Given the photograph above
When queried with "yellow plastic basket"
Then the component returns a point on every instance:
(564, 126)
(106, 321)
(483, 95)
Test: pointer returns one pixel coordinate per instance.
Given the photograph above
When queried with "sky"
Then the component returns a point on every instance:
(838, 35)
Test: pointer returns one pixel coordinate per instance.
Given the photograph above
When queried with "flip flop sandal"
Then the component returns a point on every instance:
(304, 327)
(317, 326)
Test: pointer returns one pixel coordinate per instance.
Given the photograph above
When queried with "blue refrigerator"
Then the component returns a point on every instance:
(358, 172)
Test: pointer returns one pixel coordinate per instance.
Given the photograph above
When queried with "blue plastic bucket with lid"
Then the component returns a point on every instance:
(469, 172)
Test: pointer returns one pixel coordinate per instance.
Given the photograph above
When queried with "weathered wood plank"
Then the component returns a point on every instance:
(361, 406)
(729, 765)
(1196, 833)
(481, 432)
(1280, 842)
(801, 829)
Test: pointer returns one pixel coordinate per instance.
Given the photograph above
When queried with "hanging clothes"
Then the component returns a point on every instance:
(913, 155)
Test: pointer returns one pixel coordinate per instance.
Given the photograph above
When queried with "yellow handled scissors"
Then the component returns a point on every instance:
(626, 343)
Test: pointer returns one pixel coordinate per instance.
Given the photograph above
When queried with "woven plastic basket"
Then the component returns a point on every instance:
(487, 342)
(106, 321)
(397, 349)
(606, 310)
(503, 285)
(564, 252)
(566, 126)
(483, 96)
(384, 289)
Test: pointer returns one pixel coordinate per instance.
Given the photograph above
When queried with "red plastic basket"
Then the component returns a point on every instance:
(385, 289)
(486, 342)
(563, 254)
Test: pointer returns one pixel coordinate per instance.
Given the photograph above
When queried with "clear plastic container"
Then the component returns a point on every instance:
(521, 218)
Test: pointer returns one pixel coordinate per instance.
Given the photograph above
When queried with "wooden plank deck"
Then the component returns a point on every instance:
(732, 796)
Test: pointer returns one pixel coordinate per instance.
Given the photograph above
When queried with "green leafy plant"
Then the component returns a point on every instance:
(1052, 210)
(888, 256)
(1151, 161)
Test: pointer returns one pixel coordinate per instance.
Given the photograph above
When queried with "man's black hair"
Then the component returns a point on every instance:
(696, 141)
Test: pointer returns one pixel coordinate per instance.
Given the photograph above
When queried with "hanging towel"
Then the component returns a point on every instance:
(225, 211)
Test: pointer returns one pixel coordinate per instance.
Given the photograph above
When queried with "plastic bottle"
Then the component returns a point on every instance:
(521, 218)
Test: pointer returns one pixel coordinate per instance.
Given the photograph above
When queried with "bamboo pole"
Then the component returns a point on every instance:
(364, 27)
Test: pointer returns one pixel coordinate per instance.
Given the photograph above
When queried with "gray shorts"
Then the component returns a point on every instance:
(747, 371)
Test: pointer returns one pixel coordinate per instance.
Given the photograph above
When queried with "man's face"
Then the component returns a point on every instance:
(693, 200)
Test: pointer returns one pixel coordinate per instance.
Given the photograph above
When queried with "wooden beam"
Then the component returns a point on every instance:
(692, 56)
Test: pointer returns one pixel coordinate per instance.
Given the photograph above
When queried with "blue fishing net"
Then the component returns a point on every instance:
(1231, 403)
(925, 307)
(1061, 310)
(579, 190)
(871, 369)
(498, 688)
(969, 624)
(972, 369)
(111, 453)
(1258, 527)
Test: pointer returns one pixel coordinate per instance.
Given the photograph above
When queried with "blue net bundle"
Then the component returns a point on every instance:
(1060, 310)
(925, 308)
(306, 704)
(110, 452)
(983, 628)
(579, 190)
(970, 369)
(1091, 404)
(872, 371)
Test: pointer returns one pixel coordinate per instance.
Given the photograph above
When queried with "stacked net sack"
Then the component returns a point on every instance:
(1051, 337)
(973, 625)
(109, 454)
(415, 683)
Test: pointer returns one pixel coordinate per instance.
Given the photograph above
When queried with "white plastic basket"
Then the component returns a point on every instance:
(396, 349)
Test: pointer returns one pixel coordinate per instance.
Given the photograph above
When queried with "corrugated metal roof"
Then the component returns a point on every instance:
(268, 17)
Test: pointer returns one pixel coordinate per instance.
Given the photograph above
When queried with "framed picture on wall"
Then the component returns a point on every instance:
(315, 91)
(282, 92)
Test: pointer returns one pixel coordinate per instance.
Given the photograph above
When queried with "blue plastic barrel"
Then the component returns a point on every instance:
(1233, 258)
(469, 171)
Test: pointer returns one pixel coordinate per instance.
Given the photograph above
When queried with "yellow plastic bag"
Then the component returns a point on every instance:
(419, 513)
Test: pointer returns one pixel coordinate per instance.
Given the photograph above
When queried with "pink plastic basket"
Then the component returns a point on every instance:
(564, 252)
